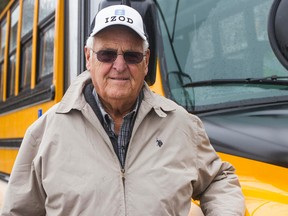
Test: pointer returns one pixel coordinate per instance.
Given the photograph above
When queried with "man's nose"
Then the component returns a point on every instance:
(120, 64)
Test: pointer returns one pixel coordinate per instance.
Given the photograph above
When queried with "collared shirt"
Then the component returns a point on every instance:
(120, 142)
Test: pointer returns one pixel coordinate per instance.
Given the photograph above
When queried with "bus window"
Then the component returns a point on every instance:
(1, 82)
(46, 52)
(12, 51)
(13, 30)
(2, 49)
(26, 41)
(46, 7)
(25, 77)
(2, 41)
(27, 19)
(46, 49)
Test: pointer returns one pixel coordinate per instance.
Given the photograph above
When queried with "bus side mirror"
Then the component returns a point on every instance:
(278, 30)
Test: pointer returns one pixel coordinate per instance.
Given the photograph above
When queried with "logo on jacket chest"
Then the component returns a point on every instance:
(159, 142)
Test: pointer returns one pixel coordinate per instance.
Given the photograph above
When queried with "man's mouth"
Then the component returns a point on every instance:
(118, 78)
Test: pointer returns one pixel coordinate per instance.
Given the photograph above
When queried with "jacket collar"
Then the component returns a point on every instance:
(74, 98)
(159, 104)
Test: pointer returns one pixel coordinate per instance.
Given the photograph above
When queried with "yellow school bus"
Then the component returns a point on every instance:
(222, 60)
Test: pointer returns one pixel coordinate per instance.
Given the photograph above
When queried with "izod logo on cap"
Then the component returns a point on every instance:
(120, 18)
(118, 15)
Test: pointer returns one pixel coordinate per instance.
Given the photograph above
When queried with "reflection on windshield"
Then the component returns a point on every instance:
(216, 39)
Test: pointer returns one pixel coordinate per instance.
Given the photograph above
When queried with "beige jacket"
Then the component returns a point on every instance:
(67, 166)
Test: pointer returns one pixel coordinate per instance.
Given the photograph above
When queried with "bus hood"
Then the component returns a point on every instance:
(259, 134)
(255, 141)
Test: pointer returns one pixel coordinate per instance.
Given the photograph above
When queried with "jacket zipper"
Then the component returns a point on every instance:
(123, 178)
(123, 183)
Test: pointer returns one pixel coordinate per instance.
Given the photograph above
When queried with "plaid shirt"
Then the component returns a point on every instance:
(120, 142)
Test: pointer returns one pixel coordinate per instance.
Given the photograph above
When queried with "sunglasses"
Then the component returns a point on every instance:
(109, 56)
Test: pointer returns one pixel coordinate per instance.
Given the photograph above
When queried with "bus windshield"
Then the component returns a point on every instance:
(214, 48)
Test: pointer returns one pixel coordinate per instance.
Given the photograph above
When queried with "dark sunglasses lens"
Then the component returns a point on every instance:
(107, 56)
(133, 57)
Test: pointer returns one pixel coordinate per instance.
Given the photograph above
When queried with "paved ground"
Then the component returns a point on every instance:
(3, 186)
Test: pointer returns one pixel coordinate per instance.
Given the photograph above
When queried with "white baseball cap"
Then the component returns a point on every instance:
(118, 15)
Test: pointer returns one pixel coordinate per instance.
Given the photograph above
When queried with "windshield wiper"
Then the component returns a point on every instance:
(270, 80)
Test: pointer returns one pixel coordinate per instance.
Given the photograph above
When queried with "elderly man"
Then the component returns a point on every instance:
(113, 147)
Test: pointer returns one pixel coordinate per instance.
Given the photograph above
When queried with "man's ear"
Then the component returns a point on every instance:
(147, 61)
(87, 57)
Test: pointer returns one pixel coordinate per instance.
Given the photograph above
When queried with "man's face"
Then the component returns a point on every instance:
(117, 80)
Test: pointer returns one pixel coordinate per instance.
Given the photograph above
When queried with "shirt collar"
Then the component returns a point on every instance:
(107, 118)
